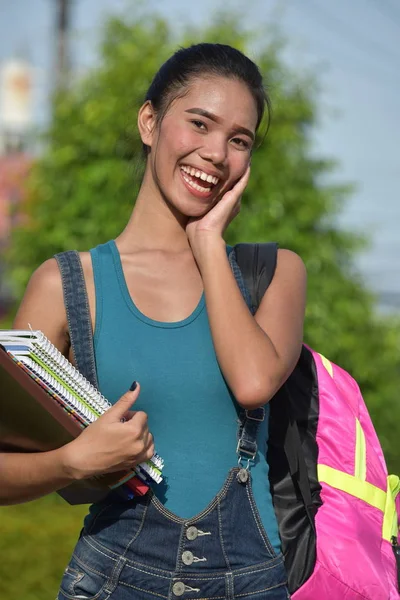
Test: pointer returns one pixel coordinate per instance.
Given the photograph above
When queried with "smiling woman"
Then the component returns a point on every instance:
(166, 309)
(206, 135)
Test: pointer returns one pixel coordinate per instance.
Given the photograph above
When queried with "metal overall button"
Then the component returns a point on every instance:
(243, 475)
(192, 533)
(187, 558)
(178, 588)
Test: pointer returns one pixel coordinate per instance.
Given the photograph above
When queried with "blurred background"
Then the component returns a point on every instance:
(325, 182)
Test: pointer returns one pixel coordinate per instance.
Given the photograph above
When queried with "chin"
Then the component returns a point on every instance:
(193, 209)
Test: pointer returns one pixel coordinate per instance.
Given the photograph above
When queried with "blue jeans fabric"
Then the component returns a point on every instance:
(138, 550)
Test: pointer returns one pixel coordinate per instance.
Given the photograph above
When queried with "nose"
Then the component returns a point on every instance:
(215, 150)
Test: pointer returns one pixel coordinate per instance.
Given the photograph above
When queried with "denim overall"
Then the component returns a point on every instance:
(138, 550)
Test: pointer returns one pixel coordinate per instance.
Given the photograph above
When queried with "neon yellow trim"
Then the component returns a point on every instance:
(360, 460)
(327, 364)
(390, 520)
(352, 485)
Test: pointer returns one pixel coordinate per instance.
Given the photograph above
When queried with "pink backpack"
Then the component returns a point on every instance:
(357, 523)
(336, 505)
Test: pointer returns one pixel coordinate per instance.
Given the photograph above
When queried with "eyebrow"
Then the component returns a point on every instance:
(212, 117)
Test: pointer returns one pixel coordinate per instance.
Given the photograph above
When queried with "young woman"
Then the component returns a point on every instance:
(166, 311)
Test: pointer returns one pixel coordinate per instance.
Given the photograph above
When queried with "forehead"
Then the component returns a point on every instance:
(228, 99)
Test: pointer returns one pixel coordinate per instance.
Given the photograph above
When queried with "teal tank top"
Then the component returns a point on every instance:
(192, 413)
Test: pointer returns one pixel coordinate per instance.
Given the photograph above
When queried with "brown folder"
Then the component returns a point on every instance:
(31, 420)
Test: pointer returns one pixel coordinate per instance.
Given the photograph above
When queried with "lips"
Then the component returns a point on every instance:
(194, 188)
(200, 175)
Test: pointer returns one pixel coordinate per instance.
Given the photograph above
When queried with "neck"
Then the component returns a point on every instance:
(154, 223)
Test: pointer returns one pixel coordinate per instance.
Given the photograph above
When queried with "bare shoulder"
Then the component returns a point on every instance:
(290, 263)
(289, 280)
(42, 306)
(46, 279)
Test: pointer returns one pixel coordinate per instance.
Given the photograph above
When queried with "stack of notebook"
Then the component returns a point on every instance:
(45, 403)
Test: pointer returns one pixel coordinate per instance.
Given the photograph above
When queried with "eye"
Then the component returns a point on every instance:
(240, 142)
(199, 125)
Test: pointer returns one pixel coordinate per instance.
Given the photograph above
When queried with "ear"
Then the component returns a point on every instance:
(147, 123)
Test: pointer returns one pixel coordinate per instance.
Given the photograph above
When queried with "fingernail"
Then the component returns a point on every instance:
(133, 386)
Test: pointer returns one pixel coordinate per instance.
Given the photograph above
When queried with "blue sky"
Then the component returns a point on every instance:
(354, 48)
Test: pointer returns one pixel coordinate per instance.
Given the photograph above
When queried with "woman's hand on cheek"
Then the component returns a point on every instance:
(204, 230)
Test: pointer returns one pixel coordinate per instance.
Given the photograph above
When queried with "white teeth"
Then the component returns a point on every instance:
(195, 185)
(200, 175)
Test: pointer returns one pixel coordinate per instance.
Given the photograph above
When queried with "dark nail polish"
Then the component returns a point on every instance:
(133, 386)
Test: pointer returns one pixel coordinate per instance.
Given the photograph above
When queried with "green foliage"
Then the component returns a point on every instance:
(36, 543)
(83, 188)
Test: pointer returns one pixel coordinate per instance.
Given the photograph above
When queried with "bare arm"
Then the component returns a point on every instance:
(26, 477)
(105, 446)
(256, 354)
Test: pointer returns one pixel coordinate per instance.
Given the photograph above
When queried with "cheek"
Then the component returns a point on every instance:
(180, 141)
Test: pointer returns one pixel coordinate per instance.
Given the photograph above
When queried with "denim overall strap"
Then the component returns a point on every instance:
(77, 308)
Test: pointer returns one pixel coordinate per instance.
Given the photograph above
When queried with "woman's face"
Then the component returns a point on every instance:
(203, 144)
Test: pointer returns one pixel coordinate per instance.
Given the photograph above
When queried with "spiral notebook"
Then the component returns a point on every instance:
(45, 402)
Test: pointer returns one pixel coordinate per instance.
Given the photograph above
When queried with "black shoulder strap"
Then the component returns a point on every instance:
(78, 315)
(257, 263)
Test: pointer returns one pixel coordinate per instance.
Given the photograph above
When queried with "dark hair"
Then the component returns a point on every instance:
(221, 60)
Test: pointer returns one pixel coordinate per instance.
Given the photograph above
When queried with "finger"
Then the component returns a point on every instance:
(243, 181)
(236, 192)
(128, 415)
(150, 448)
(237, 208)
(119, 409)
(147, 449)
(139, 421)
(147, 454)
(150, 452)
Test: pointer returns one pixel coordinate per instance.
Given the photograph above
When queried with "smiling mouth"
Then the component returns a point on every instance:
(198, 180)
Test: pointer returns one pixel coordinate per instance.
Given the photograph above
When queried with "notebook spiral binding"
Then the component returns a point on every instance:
(75, 405)
(45, 351)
